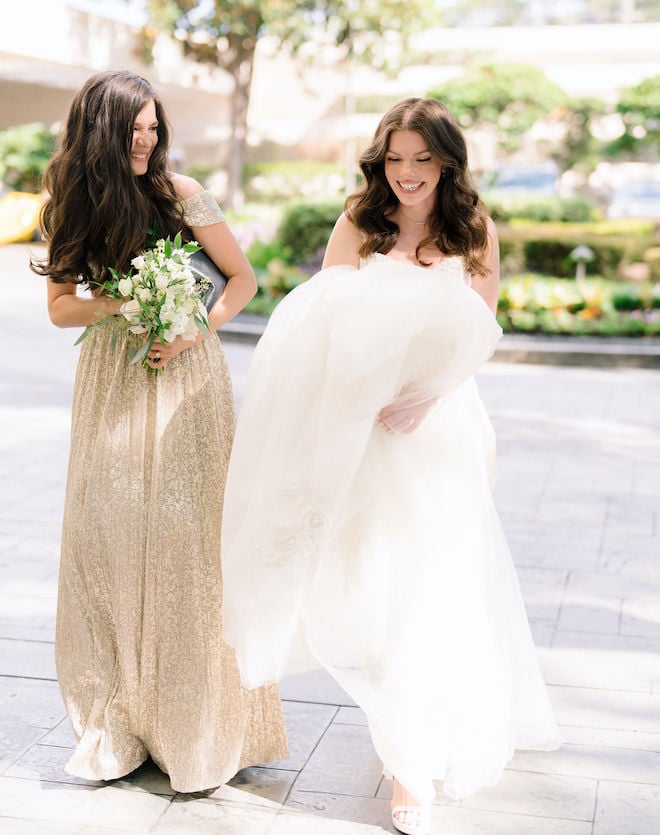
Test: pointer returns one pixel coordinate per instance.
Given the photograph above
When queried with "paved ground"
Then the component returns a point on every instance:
(579, 493)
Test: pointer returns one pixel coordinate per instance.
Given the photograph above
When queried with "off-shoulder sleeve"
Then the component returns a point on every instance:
(201, 210)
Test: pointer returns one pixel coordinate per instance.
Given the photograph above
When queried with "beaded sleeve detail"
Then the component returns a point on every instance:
(201, 210)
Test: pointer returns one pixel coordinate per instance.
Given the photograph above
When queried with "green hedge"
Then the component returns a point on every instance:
(546, 247)
(525, 246)
(294, 254)
(25, 151)
(533, 250)
(305, 229)
(552, 257)
(539, 209)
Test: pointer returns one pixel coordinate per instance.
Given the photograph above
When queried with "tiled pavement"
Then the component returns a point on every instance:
(579, 494)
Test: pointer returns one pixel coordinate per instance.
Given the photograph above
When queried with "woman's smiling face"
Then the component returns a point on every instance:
(145, 137)
(412, 170)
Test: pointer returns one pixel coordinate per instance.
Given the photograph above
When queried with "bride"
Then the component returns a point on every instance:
(359, 520)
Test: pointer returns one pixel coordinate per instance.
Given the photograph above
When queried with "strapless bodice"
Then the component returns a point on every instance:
(453, 264)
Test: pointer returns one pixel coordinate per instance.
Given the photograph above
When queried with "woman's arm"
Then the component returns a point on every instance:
(68, 310)
(488, 285)
(223, 249)
(343, 245)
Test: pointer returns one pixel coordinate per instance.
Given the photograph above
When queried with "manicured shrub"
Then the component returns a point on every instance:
(550, 257)
(25, 151)
(539, 209)
(259, 253)
(546, 247)
(306, 227)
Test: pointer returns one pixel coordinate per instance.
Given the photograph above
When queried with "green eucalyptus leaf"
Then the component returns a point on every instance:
(82, 336)
(202, 324)
(142, 352)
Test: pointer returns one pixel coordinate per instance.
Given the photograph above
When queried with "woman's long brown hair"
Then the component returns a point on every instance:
(458, 225)
(98, 212)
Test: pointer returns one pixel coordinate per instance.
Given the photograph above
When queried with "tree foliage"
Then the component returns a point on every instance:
(510, 97)
(639, 107)
(580, 148)
(534, 13)
(371, 31)
(25, 151)
(225, 33)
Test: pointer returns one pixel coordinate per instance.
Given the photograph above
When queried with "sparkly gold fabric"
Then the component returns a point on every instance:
(140, 659)
(202, 210)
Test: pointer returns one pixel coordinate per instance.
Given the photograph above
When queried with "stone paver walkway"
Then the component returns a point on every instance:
(579, 494)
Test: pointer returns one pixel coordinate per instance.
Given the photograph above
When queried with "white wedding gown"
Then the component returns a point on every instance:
(380, 556)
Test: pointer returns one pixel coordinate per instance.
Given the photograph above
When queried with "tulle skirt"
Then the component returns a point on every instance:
(381, 557)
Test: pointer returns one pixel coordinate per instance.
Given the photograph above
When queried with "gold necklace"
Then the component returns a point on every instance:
(412, 220)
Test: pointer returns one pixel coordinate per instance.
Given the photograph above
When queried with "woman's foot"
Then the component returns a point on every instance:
(408, 814)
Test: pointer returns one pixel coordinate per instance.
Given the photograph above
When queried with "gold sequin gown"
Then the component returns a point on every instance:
(140, 658)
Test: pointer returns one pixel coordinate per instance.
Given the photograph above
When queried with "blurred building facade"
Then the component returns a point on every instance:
(48, 48)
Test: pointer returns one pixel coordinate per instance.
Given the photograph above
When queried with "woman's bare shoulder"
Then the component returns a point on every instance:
(344, 244)
(185, 186)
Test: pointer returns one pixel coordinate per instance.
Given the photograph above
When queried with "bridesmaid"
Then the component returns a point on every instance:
(140, 658)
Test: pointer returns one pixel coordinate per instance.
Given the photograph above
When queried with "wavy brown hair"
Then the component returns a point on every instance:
(98, 212)
(458, 224)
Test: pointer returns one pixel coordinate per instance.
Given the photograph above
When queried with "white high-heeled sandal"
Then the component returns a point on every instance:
(421, 824)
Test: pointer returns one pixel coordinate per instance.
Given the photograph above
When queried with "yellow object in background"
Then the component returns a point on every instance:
(19, 216)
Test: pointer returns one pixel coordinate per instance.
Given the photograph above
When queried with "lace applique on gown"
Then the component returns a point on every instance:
(380, 557)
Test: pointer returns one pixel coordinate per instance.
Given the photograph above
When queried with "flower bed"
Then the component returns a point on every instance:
(536, 304)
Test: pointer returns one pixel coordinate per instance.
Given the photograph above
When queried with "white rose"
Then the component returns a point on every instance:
(167, 312)
(179, 322)
(171, 296)
(191, 331)
(143, 293)
(170, 334)
(130, 310)
(162, 281)
(125, 286)
(138, 262)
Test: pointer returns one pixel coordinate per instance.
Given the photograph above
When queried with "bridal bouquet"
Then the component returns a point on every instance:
(163, 300)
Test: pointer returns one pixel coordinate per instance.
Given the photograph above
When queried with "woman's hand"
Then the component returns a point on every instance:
(161, 353)
(404, 417)
(69, 310)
